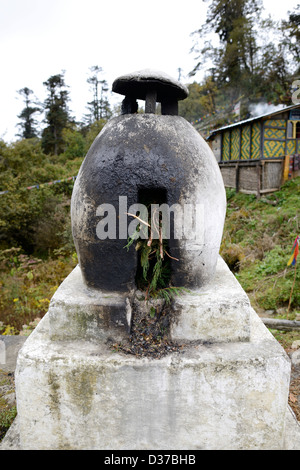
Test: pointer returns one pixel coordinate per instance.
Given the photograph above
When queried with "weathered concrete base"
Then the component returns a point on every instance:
(74, 392)
(81, 395)
(11, 440)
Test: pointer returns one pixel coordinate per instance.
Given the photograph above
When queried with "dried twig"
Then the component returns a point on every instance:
(176, 259)
(161, 251)
(141, 220)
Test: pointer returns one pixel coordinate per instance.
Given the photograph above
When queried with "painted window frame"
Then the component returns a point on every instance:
(292, 125)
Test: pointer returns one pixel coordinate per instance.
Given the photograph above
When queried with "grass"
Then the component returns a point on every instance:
(257, 242)
(7, 412)
(286, 338)
(6, 418)
(27, 285)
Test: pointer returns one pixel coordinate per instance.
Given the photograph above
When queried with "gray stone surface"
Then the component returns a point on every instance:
(9, 349)
(295, 357)
(292, 432)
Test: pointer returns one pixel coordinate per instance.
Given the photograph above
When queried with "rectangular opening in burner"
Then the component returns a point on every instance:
(148, 196)
(154, 262)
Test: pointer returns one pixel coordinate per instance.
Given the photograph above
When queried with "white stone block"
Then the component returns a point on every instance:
(77, 311)
(217, 312)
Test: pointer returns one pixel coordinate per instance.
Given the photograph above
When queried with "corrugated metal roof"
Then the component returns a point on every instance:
(245, 121)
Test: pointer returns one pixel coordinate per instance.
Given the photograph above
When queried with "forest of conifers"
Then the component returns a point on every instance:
(244, 57)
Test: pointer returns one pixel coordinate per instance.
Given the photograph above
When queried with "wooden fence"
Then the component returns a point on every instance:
(257, 177)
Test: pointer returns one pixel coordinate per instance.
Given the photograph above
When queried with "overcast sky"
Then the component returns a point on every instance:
(40, 38)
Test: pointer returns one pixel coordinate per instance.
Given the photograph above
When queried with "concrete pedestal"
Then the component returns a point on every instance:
(79, 394)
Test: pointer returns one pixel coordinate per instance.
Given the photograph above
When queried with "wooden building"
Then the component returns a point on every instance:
(258, 154)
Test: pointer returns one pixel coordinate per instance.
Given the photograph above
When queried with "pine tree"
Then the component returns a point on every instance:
(233, 60)
(99, 107)
(291, 34)
(57, 115)
(28, 124)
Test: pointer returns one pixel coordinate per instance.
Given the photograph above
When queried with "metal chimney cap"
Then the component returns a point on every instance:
(138, 84)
